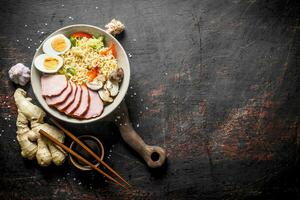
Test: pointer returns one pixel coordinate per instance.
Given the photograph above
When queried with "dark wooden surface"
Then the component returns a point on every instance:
(215, 82)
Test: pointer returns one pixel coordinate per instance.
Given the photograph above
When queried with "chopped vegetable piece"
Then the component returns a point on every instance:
(80, 35)
(96, 43)
(73, 41)
(93, 73)
(111, 49)
(62, 71)
(71, 71)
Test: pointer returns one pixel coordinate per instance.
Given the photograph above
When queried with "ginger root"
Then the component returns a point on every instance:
(29, 121)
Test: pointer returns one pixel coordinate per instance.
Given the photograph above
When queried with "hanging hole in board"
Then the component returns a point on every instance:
(155, 156)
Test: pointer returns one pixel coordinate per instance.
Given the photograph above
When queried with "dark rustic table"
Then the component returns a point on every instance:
(215, 82)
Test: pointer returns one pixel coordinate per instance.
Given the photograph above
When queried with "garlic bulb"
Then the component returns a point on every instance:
(115, 27)
(19, 74)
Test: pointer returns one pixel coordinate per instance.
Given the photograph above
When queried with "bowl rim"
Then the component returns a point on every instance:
(115, 104)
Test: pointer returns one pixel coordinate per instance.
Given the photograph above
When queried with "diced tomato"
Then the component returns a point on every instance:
(93, 73)
(81, 35)
(111, 48)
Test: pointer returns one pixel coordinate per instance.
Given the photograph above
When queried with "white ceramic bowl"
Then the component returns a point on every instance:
(122, 62)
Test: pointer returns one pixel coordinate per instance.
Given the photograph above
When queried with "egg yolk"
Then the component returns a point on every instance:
(59, 44)
(51, 63)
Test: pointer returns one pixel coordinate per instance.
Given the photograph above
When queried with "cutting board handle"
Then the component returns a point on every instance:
(154, 156)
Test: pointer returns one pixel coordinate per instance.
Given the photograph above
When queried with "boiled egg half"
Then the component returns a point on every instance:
(48, 63)
(57, 45)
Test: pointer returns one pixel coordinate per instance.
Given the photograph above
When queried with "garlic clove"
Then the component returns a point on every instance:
(104, 95)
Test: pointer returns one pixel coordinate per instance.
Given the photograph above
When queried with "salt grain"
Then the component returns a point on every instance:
(74, 179)
(147, 108)
(9, 125)
(27, 38)
(96, 7)
(28, 47)
(129, 55)
(62, 5)
(142, 100)
(138, 125)
(42, 32)
(18, 40)
(25, 25)
(46, 24)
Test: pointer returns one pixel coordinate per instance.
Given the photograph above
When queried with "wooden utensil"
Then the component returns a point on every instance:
(154, 156)
(73, 153)
(68, 133)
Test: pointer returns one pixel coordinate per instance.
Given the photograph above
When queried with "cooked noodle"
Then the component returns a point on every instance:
(83, 58)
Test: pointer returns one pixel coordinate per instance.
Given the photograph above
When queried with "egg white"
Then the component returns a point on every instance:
(39, 63)
(47, 47)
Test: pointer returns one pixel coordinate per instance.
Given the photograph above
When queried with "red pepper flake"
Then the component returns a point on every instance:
(93, 73)
(111, 48)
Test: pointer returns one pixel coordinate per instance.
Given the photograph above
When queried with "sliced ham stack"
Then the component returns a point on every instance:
(74, 100)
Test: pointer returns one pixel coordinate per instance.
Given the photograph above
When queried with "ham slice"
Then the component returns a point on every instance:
(96, 106)
(62, 106)
(74, 105)
(53, 85)
(51, 101)
(84, 103)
